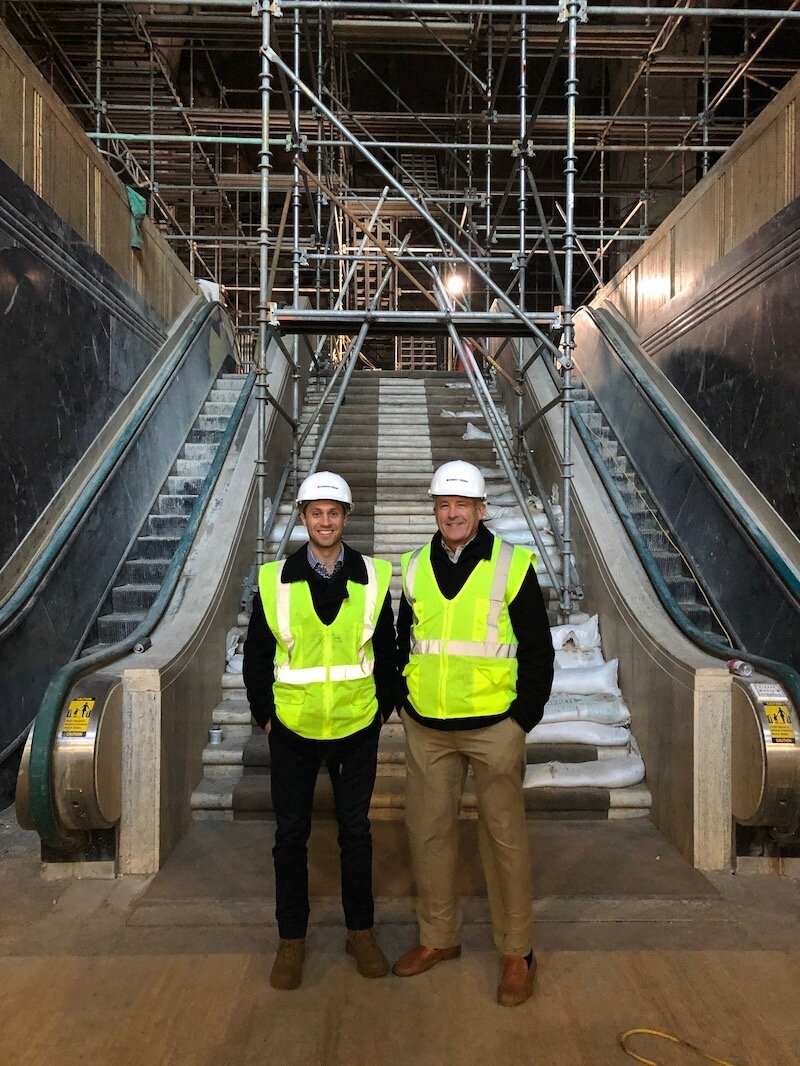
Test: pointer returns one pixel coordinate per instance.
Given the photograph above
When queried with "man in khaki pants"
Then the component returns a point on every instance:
(475, 643)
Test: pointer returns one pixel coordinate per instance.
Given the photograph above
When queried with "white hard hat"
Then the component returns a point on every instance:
(458, 479)
(323, 485)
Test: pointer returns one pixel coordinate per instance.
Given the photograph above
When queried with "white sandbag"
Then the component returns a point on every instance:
(525, 540)
(604, 773)
(610, 710)
(569, 657)
(457, 385)
(504, 499)
(582, 634)
(462, 414)
(588, 680)
(235, 664)
(299, 534)
(473, 433)
(511, 522)
(232, 643)
(597, 733)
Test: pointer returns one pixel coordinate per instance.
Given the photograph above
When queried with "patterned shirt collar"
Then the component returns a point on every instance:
(321, 568)
(455, 554)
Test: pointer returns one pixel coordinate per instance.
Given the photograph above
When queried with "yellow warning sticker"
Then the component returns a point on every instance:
(79, 713)
(781, 729)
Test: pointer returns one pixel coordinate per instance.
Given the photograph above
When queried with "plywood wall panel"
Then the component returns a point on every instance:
(748, 186)
(757, 184)
(696, 239)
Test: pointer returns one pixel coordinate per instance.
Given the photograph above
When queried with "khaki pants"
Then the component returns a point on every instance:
(437, 762)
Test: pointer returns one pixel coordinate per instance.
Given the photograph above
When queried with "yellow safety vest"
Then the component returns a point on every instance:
(324, 688)
(463, 651)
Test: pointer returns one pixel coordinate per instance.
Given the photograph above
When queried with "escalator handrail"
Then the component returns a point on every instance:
(787, 675)
(42, 805)
(786, 577)
(24, 596)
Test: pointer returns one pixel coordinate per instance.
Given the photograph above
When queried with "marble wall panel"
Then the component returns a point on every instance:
(730, 346)
(733, 571)
(74, 337)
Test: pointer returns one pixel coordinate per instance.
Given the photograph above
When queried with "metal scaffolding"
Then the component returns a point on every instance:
(331, 164)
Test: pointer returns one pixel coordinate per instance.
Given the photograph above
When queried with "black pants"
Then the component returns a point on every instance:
(293, 773)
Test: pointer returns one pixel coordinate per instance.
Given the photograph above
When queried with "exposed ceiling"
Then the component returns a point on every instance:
(441, 96)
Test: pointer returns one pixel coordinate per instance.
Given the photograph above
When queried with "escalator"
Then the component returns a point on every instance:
(719, 562)
(52, 614)
(158, 619)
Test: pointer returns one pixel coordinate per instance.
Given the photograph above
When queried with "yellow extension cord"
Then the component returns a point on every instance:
(665, 1036)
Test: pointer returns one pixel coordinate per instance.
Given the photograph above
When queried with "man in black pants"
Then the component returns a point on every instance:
(320, 673)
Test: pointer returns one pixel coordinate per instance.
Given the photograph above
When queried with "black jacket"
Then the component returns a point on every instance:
(327, 595)
(529, 621)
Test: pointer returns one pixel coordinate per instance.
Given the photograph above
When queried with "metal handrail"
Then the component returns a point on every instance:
(42, 805)
(24, 596)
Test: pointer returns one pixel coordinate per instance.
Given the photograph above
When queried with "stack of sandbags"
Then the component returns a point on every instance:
(585, 708)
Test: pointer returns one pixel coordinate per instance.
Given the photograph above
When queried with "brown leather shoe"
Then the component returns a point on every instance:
(421, 959)
(516, 980)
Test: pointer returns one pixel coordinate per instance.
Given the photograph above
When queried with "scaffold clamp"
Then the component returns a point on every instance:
(564, 10)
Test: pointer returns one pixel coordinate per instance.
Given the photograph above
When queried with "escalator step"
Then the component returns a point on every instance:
(191, 469)
(129, 598)
(182, 484)
(155, 547)
(175, 504)
(204, 436)
(112, 628)
(166, 524)
(144, 571)
(199, 451)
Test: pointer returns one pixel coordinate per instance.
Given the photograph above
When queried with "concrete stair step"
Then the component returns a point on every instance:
(249, 797)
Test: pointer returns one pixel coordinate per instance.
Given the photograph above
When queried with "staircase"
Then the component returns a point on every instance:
(139, 579)
(391, 433)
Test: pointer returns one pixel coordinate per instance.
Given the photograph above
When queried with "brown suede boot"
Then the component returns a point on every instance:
(364, 948)
(287, 969)
(516, 980)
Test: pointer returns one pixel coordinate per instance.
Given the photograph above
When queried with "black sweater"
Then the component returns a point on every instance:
(529, 621)
(327, 595)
